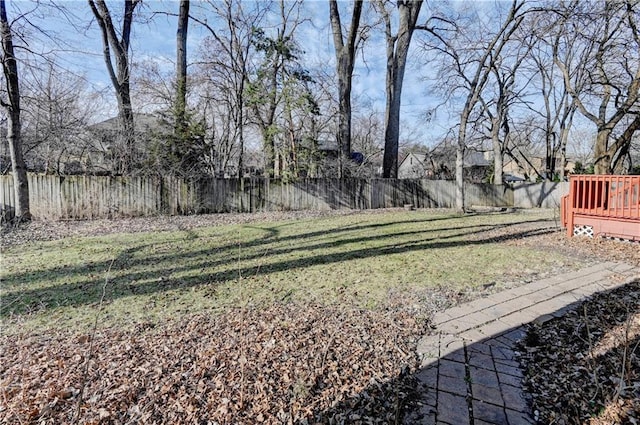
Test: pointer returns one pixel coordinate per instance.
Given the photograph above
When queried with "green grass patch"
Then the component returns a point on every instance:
(356, 259)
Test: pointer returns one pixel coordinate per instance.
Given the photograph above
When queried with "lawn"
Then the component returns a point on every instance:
(356, 260)
(273, 320)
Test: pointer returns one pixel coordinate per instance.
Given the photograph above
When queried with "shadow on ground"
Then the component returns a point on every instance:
(485, 382)
(135, 274)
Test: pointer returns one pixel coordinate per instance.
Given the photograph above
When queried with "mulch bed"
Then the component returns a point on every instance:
(584, 368)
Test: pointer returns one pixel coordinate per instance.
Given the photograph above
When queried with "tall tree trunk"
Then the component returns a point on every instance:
(564, 137)
(128, 129)
(240, 65)
(460, 148)
(240, 130)
(477, 84)
(565, 125)
(12, 105)
(601, 156)
(620, 147)
(119, 75)
(498, 166)
(345, 60)
(181, 70)
(397, 52)
(550, 153)
(269, 146)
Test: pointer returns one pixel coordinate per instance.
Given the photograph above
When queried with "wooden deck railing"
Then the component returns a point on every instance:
(608, 203)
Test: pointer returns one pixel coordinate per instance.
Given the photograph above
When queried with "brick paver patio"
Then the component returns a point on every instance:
(470, 372)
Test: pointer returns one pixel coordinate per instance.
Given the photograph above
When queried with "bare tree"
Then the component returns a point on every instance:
(469, 69)
(608, 40)
(153, 86)
(345, 49)
(368, 133)
(56, 108)
(224, 70)
(12, 106)
(117, 45)
(503, 96)
(551, 43)
(397, 53)
(270, 84)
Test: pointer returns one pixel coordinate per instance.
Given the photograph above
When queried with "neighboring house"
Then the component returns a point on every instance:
(46, 151)
(532, 167)
(439, 163)
(253, 164)
(144, 124)
(312, 158)
(102, 153)
(413, 167)
(307, 157)
(476, 166)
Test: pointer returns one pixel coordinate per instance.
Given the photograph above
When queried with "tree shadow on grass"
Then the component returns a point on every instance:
(226, 254)
(87, 291)
(273, 234)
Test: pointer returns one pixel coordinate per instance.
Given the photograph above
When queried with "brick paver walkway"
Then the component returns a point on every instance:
(470, 373)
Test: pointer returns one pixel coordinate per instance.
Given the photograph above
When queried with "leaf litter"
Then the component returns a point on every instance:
(288, 363)
(584, 368)
(293, 363)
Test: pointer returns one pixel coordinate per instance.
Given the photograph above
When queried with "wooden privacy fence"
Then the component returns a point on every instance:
(603, 205)
(87, 197)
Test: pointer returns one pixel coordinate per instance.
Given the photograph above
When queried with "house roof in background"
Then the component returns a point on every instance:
(472, 158)
(475, 159)
(142, 122)
(419, 156)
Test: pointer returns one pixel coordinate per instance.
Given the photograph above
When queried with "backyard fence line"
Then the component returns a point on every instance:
(90, 197)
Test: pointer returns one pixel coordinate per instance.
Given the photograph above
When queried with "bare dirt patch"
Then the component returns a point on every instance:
(587, 249)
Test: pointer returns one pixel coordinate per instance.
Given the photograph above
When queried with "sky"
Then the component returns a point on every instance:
(154, 39)
(79, 48)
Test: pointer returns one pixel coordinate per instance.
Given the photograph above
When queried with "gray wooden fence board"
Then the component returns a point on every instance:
(85, 197)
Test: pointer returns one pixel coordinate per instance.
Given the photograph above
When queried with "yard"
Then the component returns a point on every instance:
(276, 317)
